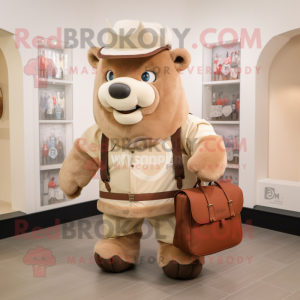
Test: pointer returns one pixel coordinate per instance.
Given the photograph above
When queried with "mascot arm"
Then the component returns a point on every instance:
(81, 164)
(208, 154)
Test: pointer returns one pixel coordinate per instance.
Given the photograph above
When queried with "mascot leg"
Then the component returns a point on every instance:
(175, 263)
(120, 247)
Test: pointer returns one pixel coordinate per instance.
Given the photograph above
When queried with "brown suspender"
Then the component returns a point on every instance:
(177, 159)
(104, 161)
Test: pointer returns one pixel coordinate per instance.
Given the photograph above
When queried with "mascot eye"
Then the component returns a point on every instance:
(109, 75)
(148, 76)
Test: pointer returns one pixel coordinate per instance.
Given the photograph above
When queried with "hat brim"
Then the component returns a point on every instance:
(110, 53)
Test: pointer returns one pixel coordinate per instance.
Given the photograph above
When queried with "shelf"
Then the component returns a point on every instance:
(51, 131)
(224, 122)
(50, 167)
(230, 89)
(62, 203)
(58, 82)
(223, 82)
(233, 166)
(58, 204)
(55, 121)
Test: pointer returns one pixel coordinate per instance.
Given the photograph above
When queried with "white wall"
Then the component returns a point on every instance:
(271, 17)
(43, 17)
(264, 15)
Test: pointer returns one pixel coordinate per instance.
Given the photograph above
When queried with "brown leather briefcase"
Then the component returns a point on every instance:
(208, 218)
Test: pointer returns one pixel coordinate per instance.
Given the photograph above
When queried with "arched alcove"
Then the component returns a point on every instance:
(277, 155)
(284, 113)
(5, 169)
(13, 122)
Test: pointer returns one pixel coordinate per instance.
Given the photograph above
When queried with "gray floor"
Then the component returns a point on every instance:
(264, 266)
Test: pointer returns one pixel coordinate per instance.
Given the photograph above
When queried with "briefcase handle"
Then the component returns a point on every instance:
(229, 201)
(210, 183)
(199, 182)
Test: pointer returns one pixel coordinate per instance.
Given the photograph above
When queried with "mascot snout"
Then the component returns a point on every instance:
(125, 97)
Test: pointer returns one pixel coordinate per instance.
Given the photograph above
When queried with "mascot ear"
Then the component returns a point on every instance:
(181, 58)
(92, 57)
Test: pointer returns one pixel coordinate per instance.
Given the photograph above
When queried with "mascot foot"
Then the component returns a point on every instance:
(177, 264)
(114, 264)
(117, 254)
(177, 271)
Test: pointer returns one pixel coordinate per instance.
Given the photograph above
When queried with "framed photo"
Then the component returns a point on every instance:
(1, 103)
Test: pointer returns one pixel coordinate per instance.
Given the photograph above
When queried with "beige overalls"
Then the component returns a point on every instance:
(143, 171)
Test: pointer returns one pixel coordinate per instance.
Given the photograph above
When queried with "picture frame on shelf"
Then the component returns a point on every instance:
(1, 103)
(231, 138)
(51, 193)
(225, 104)
(52, 144)
(230, 175)
(54, 62)
(226, 62)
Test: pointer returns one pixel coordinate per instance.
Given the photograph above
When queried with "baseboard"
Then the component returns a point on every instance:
(273, 219)
(48, 218)
(278, 211)
(11, 215)
(278, 220)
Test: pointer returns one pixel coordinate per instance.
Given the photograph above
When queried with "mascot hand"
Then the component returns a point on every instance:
(209, 160)
(76, 172)
(71, 189)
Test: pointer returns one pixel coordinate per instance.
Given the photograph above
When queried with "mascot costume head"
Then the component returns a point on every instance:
(146, 144)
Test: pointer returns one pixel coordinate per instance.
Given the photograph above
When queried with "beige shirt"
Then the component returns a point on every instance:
(147, 170)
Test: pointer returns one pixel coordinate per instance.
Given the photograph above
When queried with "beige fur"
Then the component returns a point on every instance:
(126, 247)
(181, 58)
(74, 175)
(160, 121)
(170, 98)
(135, 212)
(170, 102)
(209, 160)
(168, 252)
(92, 57)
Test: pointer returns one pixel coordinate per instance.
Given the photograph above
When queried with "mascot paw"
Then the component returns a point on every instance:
(177, 264)
(68, 185)
(209, 160)
(114, 264)
(117, 254)
(74, 195)
(177, 271)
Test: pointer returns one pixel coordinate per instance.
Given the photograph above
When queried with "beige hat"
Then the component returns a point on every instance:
(129, 38)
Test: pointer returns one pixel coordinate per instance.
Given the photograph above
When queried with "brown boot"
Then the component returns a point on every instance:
(178, 264)
(178, 271)
(118, 254)
(114, 264)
